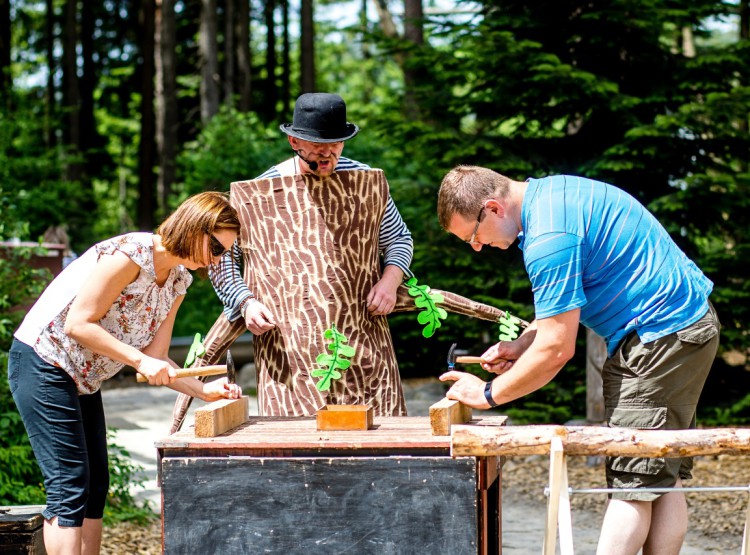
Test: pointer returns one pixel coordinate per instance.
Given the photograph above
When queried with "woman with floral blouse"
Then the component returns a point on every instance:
(113, 306)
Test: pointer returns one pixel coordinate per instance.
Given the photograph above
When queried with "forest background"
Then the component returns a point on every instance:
(113, 112)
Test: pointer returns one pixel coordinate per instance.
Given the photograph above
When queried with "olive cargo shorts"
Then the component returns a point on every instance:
(656, 386)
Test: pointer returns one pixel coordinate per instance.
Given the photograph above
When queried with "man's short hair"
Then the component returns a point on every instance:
(465, 188)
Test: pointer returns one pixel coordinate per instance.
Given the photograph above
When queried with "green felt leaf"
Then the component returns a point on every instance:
(509, 327)
(331, 363)
(197, 349)
(425, 299)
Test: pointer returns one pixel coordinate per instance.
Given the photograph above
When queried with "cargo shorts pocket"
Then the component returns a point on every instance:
(702, 330)
(640, 418)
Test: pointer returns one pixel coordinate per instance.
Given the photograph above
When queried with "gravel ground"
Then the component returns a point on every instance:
(716, 521)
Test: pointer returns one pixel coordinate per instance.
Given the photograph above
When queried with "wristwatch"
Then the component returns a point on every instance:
(488, 394)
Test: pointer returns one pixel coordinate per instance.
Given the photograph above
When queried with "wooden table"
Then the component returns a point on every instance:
(278, 485)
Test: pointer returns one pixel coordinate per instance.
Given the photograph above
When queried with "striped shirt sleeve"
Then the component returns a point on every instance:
(394, 242)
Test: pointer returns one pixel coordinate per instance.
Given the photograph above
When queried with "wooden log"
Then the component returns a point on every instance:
(445, 413)
(452, 303)
(483, 441)
(220, 416)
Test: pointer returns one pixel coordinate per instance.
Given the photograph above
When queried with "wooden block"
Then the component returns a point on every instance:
(345, 417)
(216, 418)
(445, 413)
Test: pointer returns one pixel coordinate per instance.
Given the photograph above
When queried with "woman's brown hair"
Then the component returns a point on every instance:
(183, 233)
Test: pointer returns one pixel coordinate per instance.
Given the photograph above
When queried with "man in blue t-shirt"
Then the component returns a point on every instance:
(596, 256)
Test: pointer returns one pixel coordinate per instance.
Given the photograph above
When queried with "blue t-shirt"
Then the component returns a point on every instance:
(590, 245)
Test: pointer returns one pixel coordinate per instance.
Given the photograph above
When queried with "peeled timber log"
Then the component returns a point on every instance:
(452, 303)
(476, 441)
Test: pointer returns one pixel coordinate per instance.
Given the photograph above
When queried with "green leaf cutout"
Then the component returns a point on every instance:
(330, 364)
(509, 327)
(196, 350)
(431, 314)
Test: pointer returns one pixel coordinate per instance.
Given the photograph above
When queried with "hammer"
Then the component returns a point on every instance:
(453, 359)
(214, 370)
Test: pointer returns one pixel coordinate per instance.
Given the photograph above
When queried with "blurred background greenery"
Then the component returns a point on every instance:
(113, 112)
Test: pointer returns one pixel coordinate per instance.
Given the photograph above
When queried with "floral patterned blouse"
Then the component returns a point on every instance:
(133, 319)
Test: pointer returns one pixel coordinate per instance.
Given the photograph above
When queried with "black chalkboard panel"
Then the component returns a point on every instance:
(378, 505)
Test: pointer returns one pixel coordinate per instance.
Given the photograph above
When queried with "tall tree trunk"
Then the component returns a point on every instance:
(91, 145)
(307, 47)
(166, 98)
(5, 37)
(51, 101)
(286, 64)
(413, 73)
(744, 11)
(71, 93)
(147, 147)
(366, 54)
(208, 46)
(244, 64)
(229, 52)
(271, 92)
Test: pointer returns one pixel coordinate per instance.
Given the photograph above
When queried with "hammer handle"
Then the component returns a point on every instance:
(191, 372)
(469, 360)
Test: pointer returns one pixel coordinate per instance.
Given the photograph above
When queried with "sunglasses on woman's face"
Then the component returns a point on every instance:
(216, 248)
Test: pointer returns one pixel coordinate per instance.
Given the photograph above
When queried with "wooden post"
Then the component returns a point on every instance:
(558, 503)
(596, 354)
(220, 416)
(445, 413)
(745, 540)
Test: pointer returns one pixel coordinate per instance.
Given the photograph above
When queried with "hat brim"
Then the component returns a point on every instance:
(314, 137)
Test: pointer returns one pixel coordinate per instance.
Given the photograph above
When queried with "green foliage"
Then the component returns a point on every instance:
(31, 178)
(199, 310)
(331, 364)
(124, 475)
(431, 314)
(526, 88)
(233, 146)
(20, 477)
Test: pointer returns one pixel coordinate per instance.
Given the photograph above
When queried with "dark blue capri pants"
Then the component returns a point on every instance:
(68, 435)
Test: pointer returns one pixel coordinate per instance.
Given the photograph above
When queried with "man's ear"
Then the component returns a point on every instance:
(495, 206)
(293, 142)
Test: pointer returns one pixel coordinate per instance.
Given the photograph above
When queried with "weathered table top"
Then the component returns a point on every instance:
(299, 436)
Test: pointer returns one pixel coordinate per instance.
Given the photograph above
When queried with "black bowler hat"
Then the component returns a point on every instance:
(320, 118)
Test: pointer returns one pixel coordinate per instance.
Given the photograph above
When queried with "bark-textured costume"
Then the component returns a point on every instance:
(311, 256)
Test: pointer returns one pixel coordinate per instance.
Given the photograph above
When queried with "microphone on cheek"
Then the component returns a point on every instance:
(313, 165)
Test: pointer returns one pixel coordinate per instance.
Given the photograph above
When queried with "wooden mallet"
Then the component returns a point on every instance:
(196, 371)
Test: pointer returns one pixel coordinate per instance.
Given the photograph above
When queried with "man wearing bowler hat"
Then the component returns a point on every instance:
(316, 135)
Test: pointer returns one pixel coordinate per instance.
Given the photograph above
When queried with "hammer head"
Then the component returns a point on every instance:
(452, 356)
(231, 374)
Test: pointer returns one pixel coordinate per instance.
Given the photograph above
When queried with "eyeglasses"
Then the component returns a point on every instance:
(216, 248)
(473, 239)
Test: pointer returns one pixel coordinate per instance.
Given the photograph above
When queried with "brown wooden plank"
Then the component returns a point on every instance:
(445, 413)
(344, 417)
(284, 436)
(221, 416)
